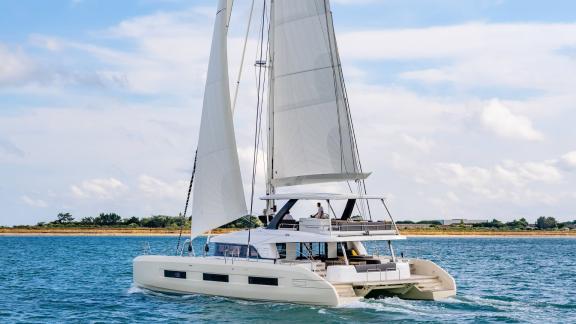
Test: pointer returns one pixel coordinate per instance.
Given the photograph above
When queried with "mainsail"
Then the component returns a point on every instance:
(311, 136)
(218, 192)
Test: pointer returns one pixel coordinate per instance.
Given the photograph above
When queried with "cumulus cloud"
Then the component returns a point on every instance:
(39, 203)
(107, 188)
(502, 121)
(524, 56)
(568, 160)
(507, 180)
(159, 189)
(15, 67)
(422, 144)
(8, 147)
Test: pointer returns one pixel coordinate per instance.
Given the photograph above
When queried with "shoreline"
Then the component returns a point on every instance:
(170, 232)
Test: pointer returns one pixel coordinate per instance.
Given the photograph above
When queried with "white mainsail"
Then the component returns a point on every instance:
(311, 134)
(218, 192)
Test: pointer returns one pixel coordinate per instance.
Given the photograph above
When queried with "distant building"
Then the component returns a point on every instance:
(461, 221)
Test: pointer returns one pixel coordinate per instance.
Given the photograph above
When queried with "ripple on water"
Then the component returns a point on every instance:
(89, 279)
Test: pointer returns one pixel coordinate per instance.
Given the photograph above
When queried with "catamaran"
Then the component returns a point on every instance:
(310, 139)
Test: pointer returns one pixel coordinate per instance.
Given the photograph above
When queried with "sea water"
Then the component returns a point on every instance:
(89, 279)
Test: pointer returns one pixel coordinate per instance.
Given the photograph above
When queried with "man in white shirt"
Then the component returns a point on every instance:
(320, 212)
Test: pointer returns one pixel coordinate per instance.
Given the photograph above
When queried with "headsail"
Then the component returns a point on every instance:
(218, 192)
(312, 139)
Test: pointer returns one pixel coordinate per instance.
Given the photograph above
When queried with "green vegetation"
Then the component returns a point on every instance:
(113, 220)
(424, 222)
(542, 223)
(66, 220)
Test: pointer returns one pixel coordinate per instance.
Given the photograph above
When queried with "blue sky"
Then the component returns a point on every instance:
(462, 108)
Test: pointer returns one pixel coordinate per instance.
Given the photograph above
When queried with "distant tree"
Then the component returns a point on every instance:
(64, 218)
(244, 222)
(135, 221)
(546, 223)
(430, 222)
(87, 221)
(108, 219)
(405, 222)
(41, 224)
(522, 223)
(162, 221)
(493, 224)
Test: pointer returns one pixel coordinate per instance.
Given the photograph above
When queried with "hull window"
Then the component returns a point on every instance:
(263, 281)
(215, 277)
(175, 274)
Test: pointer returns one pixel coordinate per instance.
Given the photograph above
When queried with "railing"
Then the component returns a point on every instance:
(288, 226)
(361, 226)
(342, 226)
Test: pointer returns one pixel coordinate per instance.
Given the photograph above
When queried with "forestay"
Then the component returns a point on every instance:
(311, 132)
(218, 192)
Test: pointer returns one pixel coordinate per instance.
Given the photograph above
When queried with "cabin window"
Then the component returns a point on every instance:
(263, 281)
(316, 250)
(175, 274)
(215, 277)
(339, 248)
(235, 250)
(281, 248)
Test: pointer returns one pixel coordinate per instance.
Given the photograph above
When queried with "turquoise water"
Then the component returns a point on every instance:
(89, 279)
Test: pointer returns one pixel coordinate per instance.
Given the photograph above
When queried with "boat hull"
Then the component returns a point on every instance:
(295, 284)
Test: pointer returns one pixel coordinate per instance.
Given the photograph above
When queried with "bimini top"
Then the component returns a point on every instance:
(319, 196)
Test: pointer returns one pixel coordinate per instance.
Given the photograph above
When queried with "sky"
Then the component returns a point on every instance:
(462, 109)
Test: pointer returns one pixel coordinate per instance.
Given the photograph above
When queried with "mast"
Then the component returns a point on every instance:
(270, 140)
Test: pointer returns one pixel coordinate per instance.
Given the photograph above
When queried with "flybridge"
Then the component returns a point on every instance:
(330, 223)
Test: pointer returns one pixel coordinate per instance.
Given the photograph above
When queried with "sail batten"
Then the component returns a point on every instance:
(312, 132)
(218, 196)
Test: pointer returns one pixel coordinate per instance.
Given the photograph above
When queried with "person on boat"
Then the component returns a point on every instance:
(288, 216)
(320, 212)
(270, 213)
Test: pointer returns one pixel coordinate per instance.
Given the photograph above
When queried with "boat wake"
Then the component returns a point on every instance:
(135, 290)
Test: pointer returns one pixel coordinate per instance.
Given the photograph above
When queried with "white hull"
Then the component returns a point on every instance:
(296, 282)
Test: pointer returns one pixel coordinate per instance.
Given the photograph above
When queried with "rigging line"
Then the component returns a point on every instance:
(242, 58)
(260, 136)
(353, 139)
(187, 201)
(256, 132)
(334, 66)
(342, 162)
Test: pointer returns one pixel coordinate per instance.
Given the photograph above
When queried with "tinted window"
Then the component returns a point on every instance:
(175, 274)
(215, 277)
(234, 250)
(263, 281)
(281, 247)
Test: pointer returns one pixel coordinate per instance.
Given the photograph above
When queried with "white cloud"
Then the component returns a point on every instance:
(509, 180)
(500, 119)
(15, 66)
(99, 188)
(422, 144)
(568, 160)
(158, 189)
(38, 203)
(524, 56)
